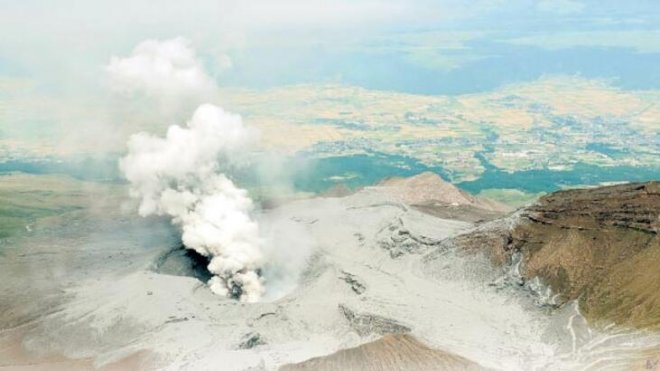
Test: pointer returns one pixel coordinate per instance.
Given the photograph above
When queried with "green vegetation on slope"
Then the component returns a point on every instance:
(510, 196)
(26, 199)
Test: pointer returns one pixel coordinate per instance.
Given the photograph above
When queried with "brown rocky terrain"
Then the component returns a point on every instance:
(391, 352)
(429, 193)
(599, 246)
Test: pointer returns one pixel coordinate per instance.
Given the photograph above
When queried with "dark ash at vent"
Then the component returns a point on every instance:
(184, 262)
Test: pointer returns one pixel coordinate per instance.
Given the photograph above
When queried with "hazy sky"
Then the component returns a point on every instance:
(58, 95)
(423, 46)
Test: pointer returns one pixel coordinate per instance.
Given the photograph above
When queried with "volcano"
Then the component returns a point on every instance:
(392, 283)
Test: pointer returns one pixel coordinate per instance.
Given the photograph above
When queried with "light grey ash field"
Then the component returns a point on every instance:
(115, 292)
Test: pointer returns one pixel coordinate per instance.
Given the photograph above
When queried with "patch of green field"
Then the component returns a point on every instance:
(26, 199)
(510, 196)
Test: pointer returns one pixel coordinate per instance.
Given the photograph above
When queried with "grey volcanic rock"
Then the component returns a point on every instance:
(357, 284)
(366, 323)
(251, 340)
(399, 240)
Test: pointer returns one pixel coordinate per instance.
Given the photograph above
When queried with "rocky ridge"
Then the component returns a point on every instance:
(599, 246)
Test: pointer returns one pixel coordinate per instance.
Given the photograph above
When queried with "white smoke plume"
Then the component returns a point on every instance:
(168, 71)
(180, 176)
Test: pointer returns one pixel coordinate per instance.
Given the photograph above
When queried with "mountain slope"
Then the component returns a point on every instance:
(377, 267)
(599, 246)
(429, 193)
(391, 352)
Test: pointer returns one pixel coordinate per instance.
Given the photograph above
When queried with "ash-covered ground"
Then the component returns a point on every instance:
(105, 289)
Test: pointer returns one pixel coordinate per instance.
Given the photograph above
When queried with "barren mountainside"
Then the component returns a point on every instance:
(391, 352)
(597, 245)
(385, 287)
(429, 193)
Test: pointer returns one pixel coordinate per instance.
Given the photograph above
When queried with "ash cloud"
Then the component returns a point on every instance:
(181, 175)
(166, 75)
(168, 69)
